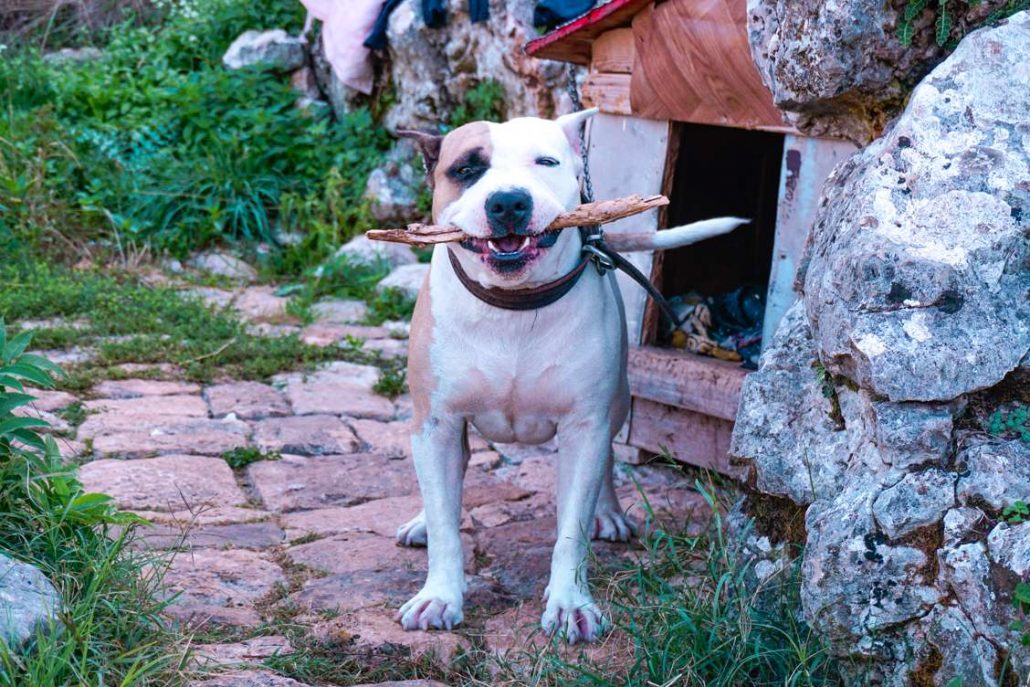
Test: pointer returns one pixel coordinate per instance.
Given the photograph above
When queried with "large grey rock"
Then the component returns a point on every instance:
(361, 249)
(393, 188)
(432, 69)
(785, 435)
(838, 68)
(917, 281)
(274, 48)
(407, 279)
(223, 265)
(913, 297)
(29, 603)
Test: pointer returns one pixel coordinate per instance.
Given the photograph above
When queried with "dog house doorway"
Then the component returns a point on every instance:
(721, 171)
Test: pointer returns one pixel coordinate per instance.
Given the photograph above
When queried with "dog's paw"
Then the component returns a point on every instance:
(573, 616)
(431, 608)
(613, 525)
(413, 532)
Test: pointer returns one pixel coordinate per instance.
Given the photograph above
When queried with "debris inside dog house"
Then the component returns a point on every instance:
(684, 112)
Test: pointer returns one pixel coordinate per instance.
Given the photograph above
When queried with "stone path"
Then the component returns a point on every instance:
(306, 530)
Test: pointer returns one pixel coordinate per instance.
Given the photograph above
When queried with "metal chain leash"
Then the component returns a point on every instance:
(588, 186)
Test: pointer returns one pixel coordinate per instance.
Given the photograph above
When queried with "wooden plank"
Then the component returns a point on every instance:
(806, 164)
(689, 437)
(684, 380)
(613, 52)
(608, 92)
(627, 155)
(572, 42)
(693, 64)
(652, 315)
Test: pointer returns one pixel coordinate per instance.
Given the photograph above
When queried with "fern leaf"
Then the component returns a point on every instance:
(944, 23)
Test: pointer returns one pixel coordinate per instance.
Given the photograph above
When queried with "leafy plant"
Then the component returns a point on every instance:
(1016, 513)
(1011, 422)
(482, 102)
(242, 456)
(946, 31)
(112, 630)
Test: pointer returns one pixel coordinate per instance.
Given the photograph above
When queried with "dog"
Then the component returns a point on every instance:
(518, 375)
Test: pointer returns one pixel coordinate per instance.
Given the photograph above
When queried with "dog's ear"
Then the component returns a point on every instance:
(571, 124)
(429, 144)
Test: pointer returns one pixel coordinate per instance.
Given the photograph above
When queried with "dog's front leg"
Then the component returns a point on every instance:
(438, 457)
(582, 461)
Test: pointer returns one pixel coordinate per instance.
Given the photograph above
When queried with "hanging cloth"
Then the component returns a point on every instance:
(551, 13)
(344, 27)
(479, 10)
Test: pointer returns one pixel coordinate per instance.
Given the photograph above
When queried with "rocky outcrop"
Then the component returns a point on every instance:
(840, 69)
(870, 405)
(393, 188)
(29, 603)
(271, 49)
(433, 69)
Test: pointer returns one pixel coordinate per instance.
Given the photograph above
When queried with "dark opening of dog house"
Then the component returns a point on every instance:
(718, 287)
(685, 113)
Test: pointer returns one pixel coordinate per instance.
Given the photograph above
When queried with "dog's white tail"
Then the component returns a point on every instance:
(674, 237)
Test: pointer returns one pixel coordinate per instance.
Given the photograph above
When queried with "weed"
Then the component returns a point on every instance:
(1016, 513)
(74, 414)
(392, 380)
(482, 102)
(946, 32)
(1011, 423)
(112, 632)
(389, 304)
(242, 456)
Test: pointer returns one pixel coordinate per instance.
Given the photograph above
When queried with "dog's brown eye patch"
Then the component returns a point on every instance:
(468, 168)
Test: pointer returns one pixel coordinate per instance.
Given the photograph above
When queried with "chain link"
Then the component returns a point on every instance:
(588, 186)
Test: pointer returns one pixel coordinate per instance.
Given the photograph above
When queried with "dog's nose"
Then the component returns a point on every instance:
(508, 212)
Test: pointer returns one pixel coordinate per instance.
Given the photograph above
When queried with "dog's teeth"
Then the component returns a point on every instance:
(525, 242)
(493, 246)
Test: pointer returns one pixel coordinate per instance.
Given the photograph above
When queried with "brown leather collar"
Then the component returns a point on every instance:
(520, 299)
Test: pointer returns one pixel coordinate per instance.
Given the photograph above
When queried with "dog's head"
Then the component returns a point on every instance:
(503, 184)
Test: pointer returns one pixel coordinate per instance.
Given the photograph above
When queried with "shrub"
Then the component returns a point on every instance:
(113, 633)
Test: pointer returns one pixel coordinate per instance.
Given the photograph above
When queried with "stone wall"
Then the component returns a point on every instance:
(869, 409)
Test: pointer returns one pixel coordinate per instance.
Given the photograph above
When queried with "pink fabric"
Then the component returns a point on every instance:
(345, 25)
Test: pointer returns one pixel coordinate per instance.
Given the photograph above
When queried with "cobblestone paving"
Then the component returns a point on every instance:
(314, 528)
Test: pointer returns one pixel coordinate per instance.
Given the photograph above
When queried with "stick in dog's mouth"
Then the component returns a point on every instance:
(601, 212)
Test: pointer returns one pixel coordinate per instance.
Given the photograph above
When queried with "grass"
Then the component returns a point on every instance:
(128, 321)
(110, 627)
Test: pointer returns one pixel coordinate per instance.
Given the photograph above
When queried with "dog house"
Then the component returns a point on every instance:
(684, 112)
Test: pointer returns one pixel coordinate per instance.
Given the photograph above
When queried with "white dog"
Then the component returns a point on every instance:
(518, 375)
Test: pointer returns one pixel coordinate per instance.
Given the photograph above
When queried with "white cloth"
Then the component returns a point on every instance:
(345, 25)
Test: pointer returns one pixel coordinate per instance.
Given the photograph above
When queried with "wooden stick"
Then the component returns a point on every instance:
(601, 212)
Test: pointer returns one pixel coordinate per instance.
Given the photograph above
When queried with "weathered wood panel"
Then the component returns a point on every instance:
(693, 64)
(608, 92)
(689, 437)
(684, 380)
(614, 52)
(572, 42)
(627, 155)
(806, 164)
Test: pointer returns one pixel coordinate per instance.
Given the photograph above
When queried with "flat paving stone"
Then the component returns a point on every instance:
(51, 401)
(137, 388)
(220, 586)
(75, 355)
(111, 436)
(389, 438)
(324, 334)
(249, 651)
(356, 552)
(340, 388)
(205, 515)
(381, 516)
(246, 400)
(247, 678)
(260, 303)
(375, 633)
(252, 535)
(297, 482)
(482, 487)
(388, 348)
(386, 590)
(166, 483)
(216, 298)
(340, 311)
(127, 412)
(310, 435)
(534, 474)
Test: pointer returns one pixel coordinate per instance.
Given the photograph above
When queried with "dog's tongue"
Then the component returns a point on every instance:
(508, 244)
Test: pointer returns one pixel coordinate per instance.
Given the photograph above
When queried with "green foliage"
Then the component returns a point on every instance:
(242, 456)
(482, 102)
(112, 631)
(392, 382)
(1011, 423)
(156, 142)
(1016, 513)
(390, 304)
(1021, 602)
(129, 321)
(946, 33)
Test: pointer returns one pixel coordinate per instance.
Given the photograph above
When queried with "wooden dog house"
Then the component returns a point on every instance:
(684, 112)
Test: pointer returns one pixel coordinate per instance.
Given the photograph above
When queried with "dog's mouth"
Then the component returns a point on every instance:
(512, 253)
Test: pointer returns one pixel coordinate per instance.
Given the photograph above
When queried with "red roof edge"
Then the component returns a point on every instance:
(594, 16)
